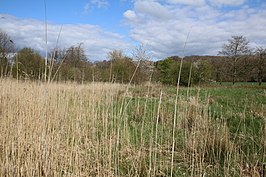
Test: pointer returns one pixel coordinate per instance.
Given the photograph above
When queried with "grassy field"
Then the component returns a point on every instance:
(239, 84)
(102, 129)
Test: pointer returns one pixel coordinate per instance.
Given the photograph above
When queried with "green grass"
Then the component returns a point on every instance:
(103, 130)
(238, 84)
(244, 112)
(241, 108)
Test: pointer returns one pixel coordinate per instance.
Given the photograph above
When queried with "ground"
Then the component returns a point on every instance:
(102, 129)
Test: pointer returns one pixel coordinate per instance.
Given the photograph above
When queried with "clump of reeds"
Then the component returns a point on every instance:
(104, 129)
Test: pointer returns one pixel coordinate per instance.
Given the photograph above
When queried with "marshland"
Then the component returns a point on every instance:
(133, 88)
(111, 129)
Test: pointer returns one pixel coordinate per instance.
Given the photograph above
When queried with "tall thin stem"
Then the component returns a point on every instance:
(176, 99)
(156, 131)
(53, 57)
(46, 42)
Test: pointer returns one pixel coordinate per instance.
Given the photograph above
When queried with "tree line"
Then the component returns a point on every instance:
(236, 62)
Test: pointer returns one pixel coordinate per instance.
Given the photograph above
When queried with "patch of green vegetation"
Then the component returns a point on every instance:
(240, 111)
(238, 84)
(240, 107)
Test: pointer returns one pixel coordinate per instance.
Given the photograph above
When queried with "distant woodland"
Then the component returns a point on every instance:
(236, 62)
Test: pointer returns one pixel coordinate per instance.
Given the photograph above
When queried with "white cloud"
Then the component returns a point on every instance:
(86, 9)
(152, 9)
(31, 33)
(130, 15)
(188, 2)
(228, 2)
(100, 3)
(209, 28)
(160, 25)
(94, 3)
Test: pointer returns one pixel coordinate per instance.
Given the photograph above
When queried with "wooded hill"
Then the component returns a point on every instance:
(236, 63)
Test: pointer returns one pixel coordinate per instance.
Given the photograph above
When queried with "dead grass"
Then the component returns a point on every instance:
(99, 129)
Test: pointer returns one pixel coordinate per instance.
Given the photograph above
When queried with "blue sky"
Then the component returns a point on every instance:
(161, 26)
(107, 14)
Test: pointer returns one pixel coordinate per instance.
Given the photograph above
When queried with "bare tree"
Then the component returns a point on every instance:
(142, 57)
(140, 53)
(114, 55)
(236, 47)
(71, 63)
(6, 46)
(261, 62)
(125, 69)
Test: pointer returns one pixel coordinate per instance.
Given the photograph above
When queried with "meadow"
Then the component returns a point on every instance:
(109, 129)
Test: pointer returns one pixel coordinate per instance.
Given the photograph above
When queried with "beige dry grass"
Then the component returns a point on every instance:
(53, 129)
(103, 129)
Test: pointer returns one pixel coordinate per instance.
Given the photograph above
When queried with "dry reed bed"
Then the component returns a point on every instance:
(52, 129)
(102, 130)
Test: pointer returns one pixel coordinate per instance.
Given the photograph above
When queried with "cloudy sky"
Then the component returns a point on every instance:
(161, 26)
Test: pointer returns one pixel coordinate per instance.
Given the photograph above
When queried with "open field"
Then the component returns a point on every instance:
(103, 129)
(240, 84)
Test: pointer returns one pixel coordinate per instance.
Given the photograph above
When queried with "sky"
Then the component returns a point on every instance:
(163, 27)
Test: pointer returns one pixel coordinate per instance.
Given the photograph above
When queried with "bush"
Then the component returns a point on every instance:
(169, 71)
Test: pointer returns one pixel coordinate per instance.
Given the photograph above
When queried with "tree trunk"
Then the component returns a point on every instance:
(234, 76)
(235, 70)
(260, 76)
